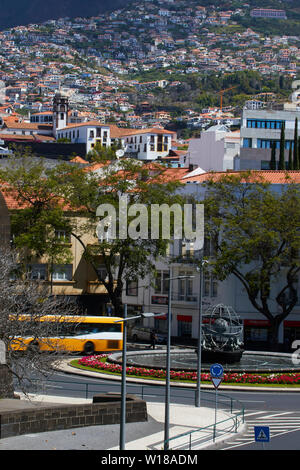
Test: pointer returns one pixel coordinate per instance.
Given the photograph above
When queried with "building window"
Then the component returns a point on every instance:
(247, 143)
(132, 288)
(210, 246)
(63, 236)
(160, 143)
(210, 285)
(91, 134)
(37, 272)
(186, 249)
(161, 282)
(264, 124)
(268, 144)
(185, 287)
(102, 272)
(62, 272)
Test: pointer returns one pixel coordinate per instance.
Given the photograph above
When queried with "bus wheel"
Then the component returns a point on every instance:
(33, 347)
(89, 348)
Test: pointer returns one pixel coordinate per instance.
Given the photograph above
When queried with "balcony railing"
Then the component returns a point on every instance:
(191, 298)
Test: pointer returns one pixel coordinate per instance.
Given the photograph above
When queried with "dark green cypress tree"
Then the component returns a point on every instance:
(281, 165)
(296, 147)
(291, 166)
(273, 157)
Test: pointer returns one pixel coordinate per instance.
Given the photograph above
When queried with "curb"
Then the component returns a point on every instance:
(69, 369)
(215, 446)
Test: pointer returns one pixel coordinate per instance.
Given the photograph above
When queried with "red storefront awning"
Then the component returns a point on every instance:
(186, 318)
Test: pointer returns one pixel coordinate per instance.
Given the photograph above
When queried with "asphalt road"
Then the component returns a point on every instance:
(280, 411)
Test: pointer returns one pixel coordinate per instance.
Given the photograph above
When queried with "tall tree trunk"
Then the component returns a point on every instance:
(273, 335)
(6, 382)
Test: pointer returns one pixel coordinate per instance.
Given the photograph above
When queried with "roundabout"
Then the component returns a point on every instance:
(272, 370)
(186, 360)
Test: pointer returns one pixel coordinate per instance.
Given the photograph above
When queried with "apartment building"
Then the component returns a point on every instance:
(151, 295)
(76, 280)
(260, 129)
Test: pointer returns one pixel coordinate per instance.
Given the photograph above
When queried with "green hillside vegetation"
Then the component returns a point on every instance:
(201, 90)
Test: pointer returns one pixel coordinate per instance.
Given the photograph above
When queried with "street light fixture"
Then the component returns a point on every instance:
(168, 362)
(198, 386)
(124, 360)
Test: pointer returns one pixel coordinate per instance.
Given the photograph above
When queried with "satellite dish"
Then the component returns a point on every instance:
(119, 153)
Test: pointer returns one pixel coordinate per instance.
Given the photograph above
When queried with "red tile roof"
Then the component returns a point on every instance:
(268, 176)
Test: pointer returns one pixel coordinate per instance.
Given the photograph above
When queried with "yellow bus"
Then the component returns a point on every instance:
(84, 334)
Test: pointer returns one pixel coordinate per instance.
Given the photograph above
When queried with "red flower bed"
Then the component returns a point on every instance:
(239, 378)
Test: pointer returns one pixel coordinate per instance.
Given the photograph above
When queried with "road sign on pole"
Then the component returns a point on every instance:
(216, 371)
(262, 433)
(216, 382)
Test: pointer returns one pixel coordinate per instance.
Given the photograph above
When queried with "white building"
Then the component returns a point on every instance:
(89, 133)
(147, 144)
(142, 144)
(261, 128)
(215, 150)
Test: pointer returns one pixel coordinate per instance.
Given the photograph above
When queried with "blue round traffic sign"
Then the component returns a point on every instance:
(216, 370)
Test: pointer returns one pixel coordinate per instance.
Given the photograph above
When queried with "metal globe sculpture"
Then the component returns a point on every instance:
(222, 334)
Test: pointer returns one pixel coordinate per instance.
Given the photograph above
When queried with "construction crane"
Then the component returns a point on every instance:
(221, 93)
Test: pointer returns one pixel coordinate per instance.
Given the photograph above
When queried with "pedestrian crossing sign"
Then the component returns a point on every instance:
(262, 433)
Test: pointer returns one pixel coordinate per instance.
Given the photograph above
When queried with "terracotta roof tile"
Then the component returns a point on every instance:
(268, 176)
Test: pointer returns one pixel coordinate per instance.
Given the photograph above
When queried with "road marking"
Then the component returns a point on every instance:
(280, 423)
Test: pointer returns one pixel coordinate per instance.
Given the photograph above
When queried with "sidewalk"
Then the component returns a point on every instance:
(139, 436)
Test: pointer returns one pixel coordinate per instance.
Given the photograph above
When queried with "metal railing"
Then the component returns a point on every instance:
(186, 440)
(196, 437)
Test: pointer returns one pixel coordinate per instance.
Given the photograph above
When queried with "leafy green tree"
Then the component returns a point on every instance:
(69, 193)
(257, 236)
(103, 154)
(41, 211)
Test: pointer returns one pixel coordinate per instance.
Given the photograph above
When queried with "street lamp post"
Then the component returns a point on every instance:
(123, 383)
(198, 386)
(168, 361)
(168, 368)
(124, 360)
